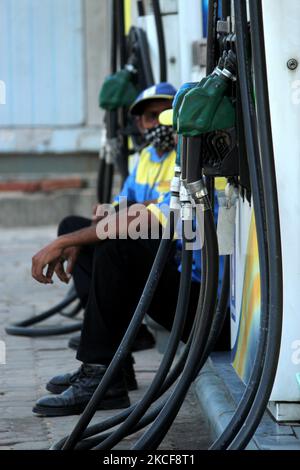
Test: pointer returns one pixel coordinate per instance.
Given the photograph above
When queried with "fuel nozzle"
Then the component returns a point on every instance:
(206, 107)
(194, 160)
(192, 163)
(194, 180)
(177, 102)
(183, 152)
(178, 99)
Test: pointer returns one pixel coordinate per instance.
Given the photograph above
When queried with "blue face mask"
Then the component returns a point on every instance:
(160, 137)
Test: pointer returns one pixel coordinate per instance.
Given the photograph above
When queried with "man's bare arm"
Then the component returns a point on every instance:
(114, 226)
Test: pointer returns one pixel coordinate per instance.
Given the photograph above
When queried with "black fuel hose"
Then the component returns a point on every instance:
(122, 154)
(111, 135)
(226, 9)
(121, 416)
(273, 230)
(40, 332)
(111, 422)
(95, 443)
(205, 309)
(126, 343)
(23, 328)
(114, 119)
(121, 32)
(218, 321)
(96, 429)
(70, 297)
(75, 310)
(160, 40)
(194, 165)
(108, 182)
(221, 312)
(211, 62)
(205, 313)
(114, 39)
(183, 151)
(172, 346)
(143, 57)
(212, 53)
(102, 179)
(252, 147)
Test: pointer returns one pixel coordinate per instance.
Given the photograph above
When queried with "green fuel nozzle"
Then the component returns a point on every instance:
(118, 90)
(178, 99)
(206, 108)
(181, 93)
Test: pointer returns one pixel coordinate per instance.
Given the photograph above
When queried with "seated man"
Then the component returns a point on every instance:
(148, 180)
(115, 269)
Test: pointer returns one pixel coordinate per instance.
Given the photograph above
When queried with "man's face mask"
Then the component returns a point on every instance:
(160, 137)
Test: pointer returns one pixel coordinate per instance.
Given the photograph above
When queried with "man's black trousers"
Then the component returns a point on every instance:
(109, 278)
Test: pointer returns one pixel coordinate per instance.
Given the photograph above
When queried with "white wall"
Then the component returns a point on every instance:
(54, 56)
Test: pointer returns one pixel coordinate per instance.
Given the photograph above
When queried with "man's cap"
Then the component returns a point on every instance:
(163, 90)
(166, 117)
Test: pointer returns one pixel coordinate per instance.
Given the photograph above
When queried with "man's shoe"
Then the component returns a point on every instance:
(60, 383)
(74, 400)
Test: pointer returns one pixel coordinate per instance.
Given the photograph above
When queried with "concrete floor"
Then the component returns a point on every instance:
(31, 362)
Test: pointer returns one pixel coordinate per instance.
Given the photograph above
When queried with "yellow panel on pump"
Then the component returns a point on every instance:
(128, 19)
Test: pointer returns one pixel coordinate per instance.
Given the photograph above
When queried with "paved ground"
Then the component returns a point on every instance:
(30, 362)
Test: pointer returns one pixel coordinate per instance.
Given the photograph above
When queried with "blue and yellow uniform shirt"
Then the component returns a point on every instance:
(150, 178)
(161, 211)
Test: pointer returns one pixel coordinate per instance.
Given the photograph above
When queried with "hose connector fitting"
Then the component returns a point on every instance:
(111, 150)
(199, 193)
(102, 152)
(186, 204)
(175, 189)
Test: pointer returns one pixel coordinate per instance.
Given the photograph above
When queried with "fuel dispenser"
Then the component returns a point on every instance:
(223, 122)
(205, 118)
(247, 290)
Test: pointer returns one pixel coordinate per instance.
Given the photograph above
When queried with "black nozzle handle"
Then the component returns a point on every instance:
(111, 121)
(194, 163)
(183, 158)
